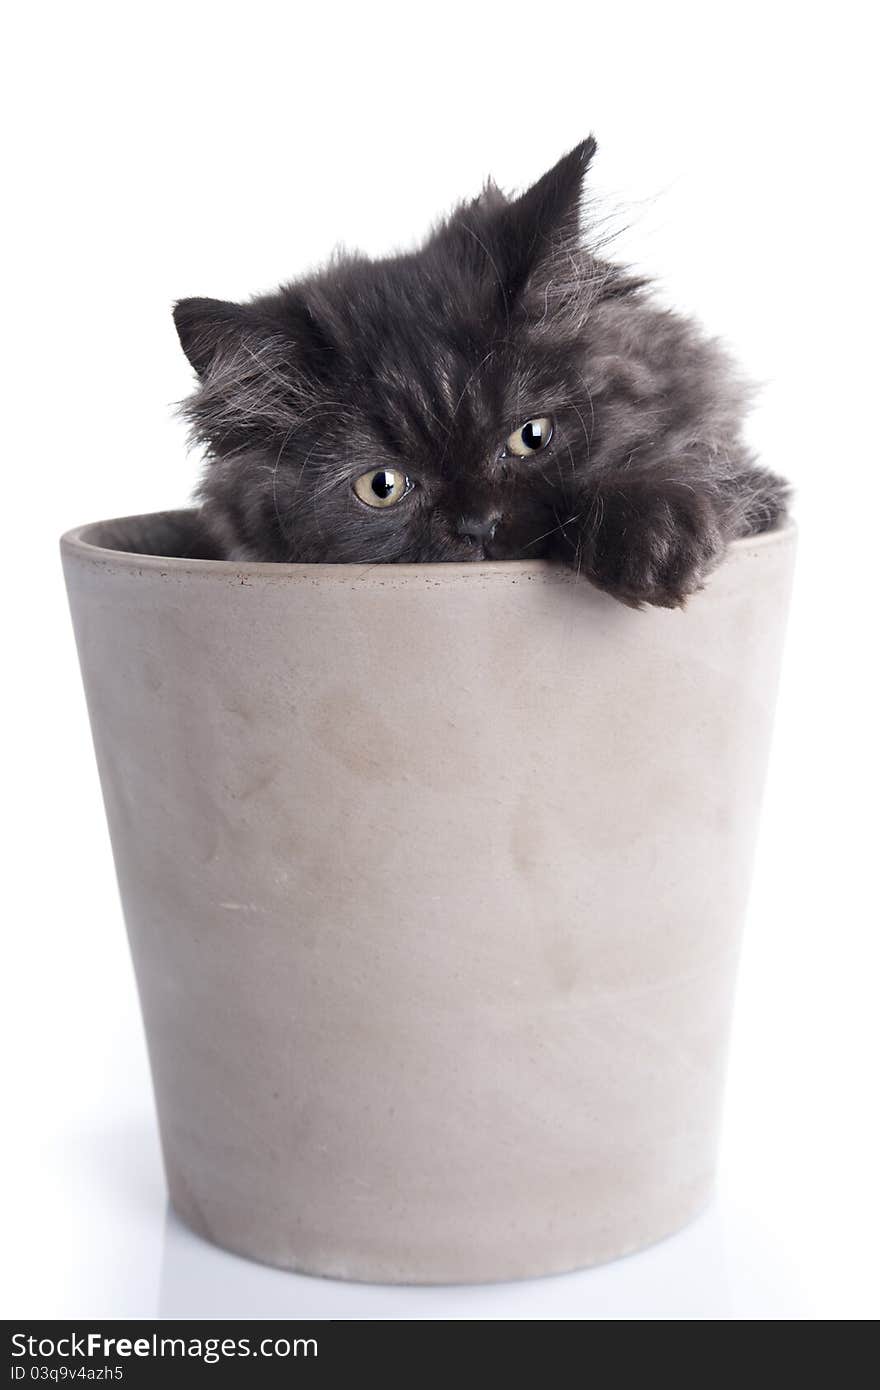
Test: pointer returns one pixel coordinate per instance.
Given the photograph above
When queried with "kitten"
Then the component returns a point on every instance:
(500, 393)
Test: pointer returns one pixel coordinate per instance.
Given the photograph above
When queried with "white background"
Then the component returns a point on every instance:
(163, 151)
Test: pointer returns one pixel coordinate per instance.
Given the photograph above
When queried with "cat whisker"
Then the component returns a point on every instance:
(560, 526)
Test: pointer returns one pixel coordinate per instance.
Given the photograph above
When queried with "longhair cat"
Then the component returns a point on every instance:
(502, 392)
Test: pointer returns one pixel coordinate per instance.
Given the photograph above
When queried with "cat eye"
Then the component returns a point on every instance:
(530, 437)
(382, 487)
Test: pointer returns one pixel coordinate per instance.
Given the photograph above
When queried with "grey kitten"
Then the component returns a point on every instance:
(500, 393)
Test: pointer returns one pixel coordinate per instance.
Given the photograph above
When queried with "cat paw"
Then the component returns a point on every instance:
(650, 545)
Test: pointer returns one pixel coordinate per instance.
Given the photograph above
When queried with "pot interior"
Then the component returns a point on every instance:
(177, 534)
(181, 535)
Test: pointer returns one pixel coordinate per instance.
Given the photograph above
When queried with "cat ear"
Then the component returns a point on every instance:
(548, 214)
(205, 326)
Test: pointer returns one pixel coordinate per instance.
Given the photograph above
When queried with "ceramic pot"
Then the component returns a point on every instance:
(434, 878)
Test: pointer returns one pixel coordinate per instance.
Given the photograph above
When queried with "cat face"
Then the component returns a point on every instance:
(493, 497)
(425, 407)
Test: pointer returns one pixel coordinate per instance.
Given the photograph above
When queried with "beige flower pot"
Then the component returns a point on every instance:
(434, 879)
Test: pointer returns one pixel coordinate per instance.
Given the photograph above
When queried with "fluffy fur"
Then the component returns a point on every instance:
(425, 363)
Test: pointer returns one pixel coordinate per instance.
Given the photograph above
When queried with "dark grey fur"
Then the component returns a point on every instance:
(425, 363)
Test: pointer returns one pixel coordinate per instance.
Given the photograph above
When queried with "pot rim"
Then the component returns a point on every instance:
(79, 541)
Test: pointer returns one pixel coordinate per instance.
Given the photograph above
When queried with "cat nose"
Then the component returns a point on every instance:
(479, 529)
